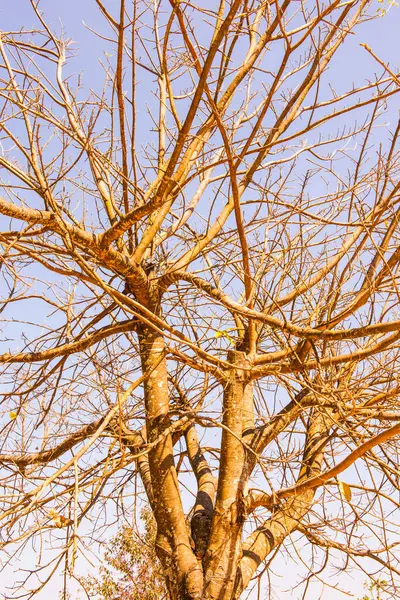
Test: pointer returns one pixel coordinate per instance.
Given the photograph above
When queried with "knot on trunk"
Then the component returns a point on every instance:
(200, 529)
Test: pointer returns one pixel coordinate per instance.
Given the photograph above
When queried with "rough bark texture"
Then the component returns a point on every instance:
(214, 243)
(182, 570)
(224, 548)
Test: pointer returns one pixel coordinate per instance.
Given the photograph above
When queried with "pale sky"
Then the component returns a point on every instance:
(352, 63)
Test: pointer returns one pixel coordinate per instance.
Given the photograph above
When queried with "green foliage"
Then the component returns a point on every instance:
(131, 570)
(225, 334)
(376, 590)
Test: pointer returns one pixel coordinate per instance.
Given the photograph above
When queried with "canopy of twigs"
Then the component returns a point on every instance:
(199, 302)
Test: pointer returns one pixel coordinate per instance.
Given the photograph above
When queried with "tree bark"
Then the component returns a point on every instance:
(182, 569)
(224, 550)
(288, 516)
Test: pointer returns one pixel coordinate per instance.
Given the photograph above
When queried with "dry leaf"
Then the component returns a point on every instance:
(60, 520)
(345, 490)
(13, 415)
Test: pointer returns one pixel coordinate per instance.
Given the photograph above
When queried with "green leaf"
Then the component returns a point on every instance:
(224, 333)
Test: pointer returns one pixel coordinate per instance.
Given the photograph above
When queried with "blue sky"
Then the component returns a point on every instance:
(352, 63)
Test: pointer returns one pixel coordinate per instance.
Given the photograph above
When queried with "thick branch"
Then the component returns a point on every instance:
(46, 456)
(206, 488)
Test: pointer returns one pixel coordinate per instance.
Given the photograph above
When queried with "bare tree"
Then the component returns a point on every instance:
(200, 267)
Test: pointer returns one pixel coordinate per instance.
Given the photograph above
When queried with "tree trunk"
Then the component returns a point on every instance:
(224, 550)
(181, 567)
(228, 564)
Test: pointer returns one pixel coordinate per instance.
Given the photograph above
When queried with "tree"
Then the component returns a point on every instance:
(133, 571)
(200, 290)
(376, 588)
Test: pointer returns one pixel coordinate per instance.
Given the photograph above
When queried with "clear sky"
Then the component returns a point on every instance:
(352, 63)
